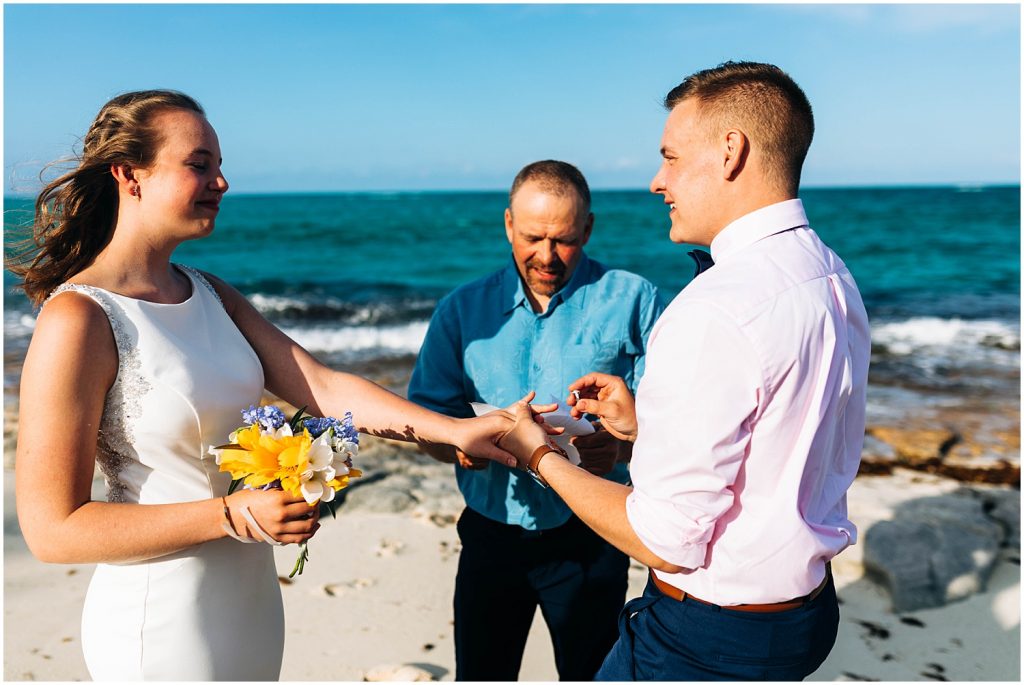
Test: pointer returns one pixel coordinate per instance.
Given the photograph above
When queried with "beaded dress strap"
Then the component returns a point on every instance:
(98, 295)
(198, 276)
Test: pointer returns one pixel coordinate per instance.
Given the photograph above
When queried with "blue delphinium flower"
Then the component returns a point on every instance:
(317, 426)
(347, 430)
(343, 429)
(268, 417)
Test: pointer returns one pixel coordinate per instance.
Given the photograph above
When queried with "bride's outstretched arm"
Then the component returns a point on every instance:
(295, 375)
(71, 363)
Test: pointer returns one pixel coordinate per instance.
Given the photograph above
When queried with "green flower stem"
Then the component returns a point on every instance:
(300, 563)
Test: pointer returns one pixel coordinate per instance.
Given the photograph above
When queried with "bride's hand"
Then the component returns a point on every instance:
(284, 517)
(480, 435)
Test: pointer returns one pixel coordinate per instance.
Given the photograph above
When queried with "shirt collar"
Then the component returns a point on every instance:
(513, 292)
(760, 223)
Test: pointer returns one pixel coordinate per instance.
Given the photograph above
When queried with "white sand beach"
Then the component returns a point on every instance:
(375, 599)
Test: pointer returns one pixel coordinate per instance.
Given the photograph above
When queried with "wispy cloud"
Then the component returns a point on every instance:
(980, 20)
(852, 14)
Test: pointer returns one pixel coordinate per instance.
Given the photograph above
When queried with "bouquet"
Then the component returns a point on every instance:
(308, 457)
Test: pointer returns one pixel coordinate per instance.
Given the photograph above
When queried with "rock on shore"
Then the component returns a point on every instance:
(940, 549)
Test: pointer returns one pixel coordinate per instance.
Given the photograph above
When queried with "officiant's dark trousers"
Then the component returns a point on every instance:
(506, 572)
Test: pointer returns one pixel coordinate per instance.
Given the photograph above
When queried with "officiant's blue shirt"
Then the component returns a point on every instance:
(486, 344)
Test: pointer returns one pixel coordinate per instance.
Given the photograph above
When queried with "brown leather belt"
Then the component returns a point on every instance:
(681, 596)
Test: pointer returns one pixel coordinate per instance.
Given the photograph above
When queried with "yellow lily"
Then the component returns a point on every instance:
(256, 461)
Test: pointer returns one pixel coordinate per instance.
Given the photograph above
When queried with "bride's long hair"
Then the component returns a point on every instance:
(75, 214)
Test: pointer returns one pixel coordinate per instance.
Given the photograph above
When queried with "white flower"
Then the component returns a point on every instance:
(319, 471)
(316, 489)
(343, 447)
(285, 431)
(319, 457)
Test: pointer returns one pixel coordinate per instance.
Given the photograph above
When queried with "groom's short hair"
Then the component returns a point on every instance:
(555, 177)
(761, 100)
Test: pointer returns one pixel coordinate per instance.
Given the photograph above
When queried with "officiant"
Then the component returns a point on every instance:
(548, 317)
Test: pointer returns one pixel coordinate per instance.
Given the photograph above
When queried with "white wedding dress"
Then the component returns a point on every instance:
(212, 611)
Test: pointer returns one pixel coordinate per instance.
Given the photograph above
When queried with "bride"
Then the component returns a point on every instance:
(141, 365)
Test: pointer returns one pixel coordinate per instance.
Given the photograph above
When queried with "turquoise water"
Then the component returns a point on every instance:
(355, 276)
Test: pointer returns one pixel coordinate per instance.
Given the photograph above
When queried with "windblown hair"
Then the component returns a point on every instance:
(75, 213)
(558, 178)
(761, 100)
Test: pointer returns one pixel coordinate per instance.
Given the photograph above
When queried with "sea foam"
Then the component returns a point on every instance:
(364, 340)
(921, 334)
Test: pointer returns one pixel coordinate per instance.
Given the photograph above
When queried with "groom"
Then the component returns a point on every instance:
(749, 422)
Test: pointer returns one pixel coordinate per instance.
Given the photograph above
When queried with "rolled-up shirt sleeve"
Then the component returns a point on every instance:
(695, 407)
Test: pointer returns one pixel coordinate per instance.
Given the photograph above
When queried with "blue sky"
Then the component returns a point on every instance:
(400, 97)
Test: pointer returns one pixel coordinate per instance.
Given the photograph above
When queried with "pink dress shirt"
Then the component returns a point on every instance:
(751, 415)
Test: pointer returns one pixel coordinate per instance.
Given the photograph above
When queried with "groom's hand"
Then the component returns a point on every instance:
(529, 430)
(608, 397)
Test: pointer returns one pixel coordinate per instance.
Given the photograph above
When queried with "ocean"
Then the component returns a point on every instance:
(354, 277)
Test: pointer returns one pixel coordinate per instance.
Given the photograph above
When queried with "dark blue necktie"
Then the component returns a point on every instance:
(703, 260)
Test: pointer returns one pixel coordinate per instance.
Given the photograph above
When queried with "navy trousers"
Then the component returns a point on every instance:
(578, 580)
(664, 639)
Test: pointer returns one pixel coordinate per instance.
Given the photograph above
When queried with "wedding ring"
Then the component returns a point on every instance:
(576, 394)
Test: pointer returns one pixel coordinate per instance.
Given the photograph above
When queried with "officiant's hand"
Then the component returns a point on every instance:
(608, 397)
(598, 451)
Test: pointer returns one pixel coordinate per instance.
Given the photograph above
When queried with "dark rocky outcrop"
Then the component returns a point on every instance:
(941, 549)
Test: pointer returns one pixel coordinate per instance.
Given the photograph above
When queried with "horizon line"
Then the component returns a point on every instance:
(970, 185)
